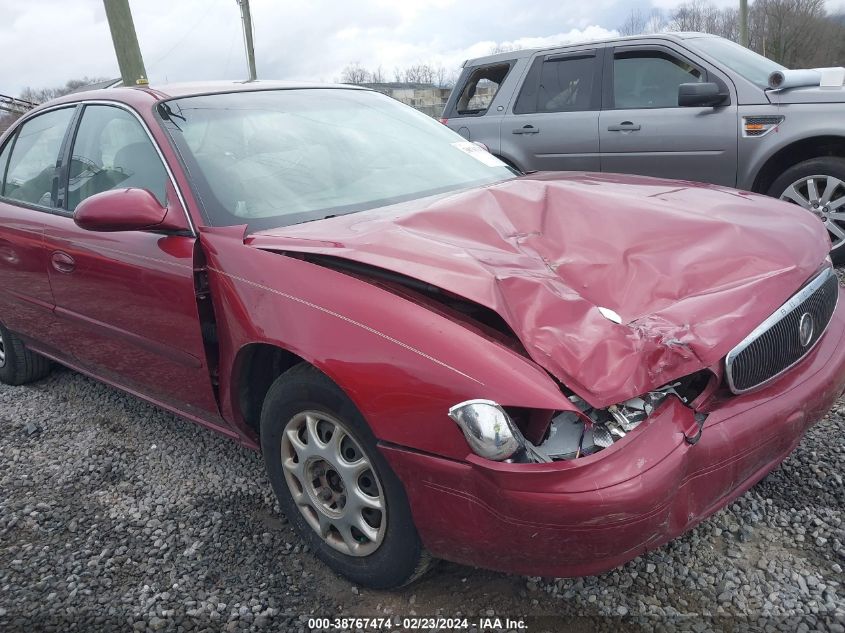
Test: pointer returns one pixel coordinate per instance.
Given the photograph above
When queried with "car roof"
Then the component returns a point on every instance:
(163, 92)
(527, 52)
(193, 88)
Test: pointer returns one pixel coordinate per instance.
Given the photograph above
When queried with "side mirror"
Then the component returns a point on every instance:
(700, 95)
(126, 210)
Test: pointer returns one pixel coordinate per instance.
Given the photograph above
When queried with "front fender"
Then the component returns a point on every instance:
(402, 364)
(801, 122)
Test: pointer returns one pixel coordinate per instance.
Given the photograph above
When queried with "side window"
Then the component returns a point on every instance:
(481, 87)
(110, 150)
(562, 84)
(35, 152)
(650, 79)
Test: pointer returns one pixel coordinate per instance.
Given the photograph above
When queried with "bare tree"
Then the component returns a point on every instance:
(656, 22)
(639, 22)
(40, 95)
(419, 74)
(795, 33)
(704, 17)
(378, 76)
(791, 31)
(440, 76)
(354, 73)
(452, 78)
(634, 24)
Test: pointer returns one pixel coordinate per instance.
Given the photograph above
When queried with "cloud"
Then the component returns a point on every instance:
(46, 42)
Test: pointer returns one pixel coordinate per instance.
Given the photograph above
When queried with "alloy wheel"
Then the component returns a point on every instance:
(333, 483)
(824, 197)
(2, 350)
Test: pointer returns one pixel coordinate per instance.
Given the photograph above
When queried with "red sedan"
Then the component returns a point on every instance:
(546, 374)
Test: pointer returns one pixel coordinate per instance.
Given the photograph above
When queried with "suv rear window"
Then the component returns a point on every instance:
(481, 87)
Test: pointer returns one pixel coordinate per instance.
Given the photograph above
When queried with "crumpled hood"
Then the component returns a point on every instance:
(691, 269)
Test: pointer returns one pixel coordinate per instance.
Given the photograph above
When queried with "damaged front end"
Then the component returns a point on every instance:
(495, 433)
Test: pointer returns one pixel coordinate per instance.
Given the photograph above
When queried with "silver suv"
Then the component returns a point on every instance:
(681, 105)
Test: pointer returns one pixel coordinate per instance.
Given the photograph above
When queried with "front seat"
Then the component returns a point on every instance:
(142, 168)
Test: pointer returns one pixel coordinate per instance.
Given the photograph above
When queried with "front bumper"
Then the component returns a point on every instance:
(586, 516)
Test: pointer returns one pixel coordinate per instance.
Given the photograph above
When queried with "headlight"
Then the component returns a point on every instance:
(488, 428)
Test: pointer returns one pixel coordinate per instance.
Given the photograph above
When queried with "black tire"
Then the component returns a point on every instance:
(19, 365)
(826, 166)
(399, 558)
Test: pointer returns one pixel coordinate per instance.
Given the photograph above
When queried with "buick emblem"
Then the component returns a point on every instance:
(806, 327)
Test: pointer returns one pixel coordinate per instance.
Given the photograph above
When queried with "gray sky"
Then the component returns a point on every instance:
(46, 42)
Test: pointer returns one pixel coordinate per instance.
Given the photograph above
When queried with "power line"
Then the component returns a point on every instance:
(182, 39)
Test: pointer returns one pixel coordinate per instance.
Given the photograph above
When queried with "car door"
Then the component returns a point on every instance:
(644, 131)
(126, 300)
(28, 168)
(553, 122)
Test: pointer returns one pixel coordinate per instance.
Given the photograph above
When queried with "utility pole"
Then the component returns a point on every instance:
(125, 41)
(250, 49)
(743, 22)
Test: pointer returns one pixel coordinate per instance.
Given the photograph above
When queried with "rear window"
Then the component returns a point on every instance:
(481, 88)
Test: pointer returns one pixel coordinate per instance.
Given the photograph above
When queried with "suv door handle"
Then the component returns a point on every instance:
(63, 262)
(527, 129)
(625, 126)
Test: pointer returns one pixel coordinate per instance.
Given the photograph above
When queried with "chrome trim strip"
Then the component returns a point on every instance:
(133, 112)
(797, 299)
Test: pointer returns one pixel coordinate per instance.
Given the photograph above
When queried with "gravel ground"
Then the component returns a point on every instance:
(117, 516)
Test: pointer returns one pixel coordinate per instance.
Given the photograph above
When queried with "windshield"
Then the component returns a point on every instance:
(279, 157)
(755, 68)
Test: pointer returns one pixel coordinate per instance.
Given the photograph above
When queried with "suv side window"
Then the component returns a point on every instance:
(111, 149)
(650, 79)
(481, 87)
(30, 174)
(559, 83)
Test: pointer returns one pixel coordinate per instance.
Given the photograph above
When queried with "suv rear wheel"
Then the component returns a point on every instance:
(818, 185)
(333, 484)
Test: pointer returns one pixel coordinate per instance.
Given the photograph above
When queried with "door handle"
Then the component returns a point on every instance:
(63, 262)
(527, 129)
(625, 126)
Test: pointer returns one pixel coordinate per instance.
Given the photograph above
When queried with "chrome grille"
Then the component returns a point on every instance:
(785, 337)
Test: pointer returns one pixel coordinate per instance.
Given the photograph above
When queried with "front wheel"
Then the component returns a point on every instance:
(818, 185)
(334, 486)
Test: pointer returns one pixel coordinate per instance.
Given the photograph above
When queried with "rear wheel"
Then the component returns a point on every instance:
(818, 185)
(18, 365)
(334, 486)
